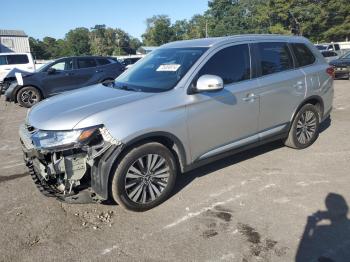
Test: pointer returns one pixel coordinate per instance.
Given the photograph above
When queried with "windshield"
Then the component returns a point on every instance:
(160, 70)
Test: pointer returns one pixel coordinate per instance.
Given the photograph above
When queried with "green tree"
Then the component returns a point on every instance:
(159, 31)
(78, 41)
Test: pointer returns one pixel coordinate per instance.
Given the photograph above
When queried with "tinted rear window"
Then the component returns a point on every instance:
(17, 59)
(86, 62)
(103, 61)
(303, 54)
(274, 57)
(232, 64)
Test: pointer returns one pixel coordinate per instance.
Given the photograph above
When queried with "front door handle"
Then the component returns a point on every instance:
(69, 74)
(250, 97)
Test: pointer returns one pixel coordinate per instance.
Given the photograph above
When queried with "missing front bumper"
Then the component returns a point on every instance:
(75, 176)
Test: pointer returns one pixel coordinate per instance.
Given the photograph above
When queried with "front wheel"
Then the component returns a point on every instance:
(305, 128)
(28, 96)
(145, 177)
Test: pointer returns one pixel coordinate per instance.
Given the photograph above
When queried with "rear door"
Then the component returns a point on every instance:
(88, 72)
(282, 87)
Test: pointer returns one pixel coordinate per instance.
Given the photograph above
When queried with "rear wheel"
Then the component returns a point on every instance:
(305, 127)
(28, 96)
(144, 177)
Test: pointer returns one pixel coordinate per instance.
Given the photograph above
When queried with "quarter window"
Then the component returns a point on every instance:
(17, 59)
(274, 58)
(86, 62)
(303, 54)
(232, 64)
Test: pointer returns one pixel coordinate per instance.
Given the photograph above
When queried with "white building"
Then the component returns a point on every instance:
(14, 41)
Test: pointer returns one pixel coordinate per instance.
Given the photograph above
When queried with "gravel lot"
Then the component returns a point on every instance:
(251, 207)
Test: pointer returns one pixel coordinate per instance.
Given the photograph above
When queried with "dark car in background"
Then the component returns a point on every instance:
(64, 74)
(342, 66)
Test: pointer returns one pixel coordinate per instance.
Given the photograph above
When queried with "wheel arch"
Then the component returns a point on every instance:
(21, 87)
(169, 140)
(314, 100)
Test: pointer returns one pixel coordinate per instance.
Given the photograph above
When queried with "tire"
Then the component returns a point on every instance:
(140, 189)
(305, 128)
(28, 96)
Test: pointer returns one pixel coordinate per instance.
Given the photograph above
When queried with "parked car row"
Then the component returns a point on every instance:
(64, 74)
(184, 105)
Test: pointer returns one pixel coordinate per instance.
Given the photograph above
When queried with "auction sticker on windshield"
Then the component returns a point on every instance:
(168, 68)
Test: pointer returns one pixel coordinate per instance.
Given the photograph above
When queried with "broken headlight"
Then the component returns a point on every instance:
(62, 139)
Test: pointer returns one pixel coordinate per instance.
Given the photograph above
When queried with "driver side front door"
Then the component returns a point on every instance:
(226, 119)
(61, 78)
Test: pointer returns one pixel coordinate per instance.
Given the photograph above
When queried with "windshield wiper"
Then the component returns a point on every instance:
(128, 88)
(124, 87)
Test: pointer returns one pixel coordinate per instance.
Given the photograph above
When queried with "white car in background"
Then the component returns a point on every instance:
(329, 55)
(18, 61)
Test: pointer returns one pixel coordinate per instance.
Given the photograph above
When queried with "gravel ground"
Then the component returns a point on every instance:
(257, 206)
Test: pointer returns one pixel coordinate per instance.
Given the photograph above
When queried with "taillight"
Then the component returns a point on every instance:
(330, 71)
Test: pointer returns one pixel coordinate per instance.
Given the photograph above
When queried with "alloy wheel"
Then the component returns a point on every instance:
(306, 127)
(146, 178)
(29, 97)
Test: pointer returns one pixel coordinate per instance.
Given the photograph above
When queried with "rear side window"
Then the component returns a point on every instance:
(303, 54)
(232, 64)
(17, 59)
(86, 62)
(274, 57)
(103, 61)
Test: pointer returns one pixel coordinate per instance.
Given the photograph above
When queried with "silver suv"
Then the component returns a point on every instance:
(182, 106)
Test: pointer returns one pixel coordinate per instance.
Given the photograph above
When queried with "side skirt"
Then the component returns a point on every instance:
(208, 160)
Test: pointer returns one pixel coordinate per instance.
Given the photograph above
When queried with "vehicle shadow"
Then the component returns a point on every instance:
(185, 179)
(326, 234)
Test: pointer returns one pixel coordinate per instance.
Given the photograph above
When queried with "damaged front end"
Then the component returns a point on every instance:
(73, 166)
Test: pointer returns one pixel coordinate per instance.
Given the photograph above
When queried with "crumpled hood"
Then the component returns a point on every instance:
(64, 112)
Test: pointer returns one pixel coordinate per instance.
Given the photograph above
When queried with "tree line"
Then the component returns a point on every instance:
(318, 20)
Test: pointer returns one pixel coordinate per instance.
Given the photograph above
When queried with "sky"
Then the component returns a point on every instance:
(40, 18)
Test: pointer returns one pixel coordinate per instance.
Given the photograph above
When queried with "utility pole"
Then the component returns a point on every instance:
(206, 28)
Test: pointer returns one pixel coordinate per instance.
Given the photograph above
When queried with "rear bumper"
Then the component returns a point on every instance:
(342, 72)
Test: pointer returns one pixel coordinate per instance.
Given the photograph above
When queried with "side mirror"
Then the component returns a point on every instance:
(209, 83)
(51, 71)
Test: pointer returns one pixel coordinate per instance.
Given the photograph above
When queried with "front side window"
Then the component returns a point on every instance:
(232, 64)
(86, 63)
(17, 59)
(63, 65)
(160, 70)
(274, 57)
(303, 54)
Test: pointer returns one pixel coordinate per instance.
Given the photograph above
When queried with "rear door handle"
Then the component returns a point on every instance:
(99, 71)
(251, 97)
